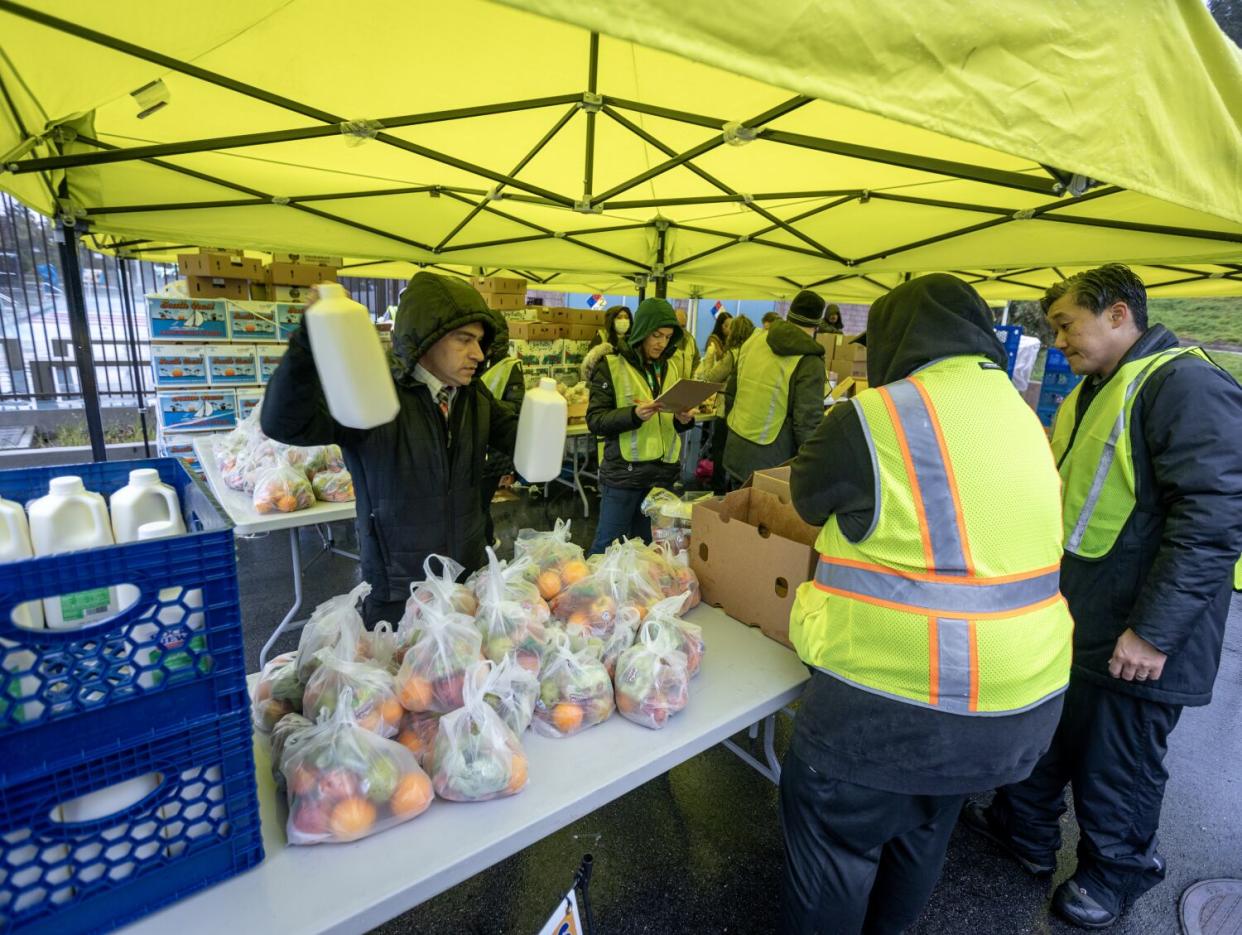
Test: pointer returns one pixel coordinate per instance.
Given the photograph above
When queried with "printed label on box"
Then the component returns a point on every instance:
(198, 410)
(178, 366)
(247, 402)
(231, 365)
(269, 360)
(288, 318)
(174, 319)
(252, 321)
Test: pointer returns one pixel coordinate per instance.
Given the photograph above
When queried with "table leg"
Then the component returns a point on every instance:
(295, 549)
(771, 769)
(586, 504)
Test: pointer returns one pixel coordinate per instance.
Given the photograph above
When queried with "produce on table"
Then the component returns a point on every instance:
(622, 638)
(277, 692)
(652, 680)
(323, 458)
(435, 590)
(282, 489)
(556, 562)
(574, 690)
(670, 516)
(669, 573)
(510, 689)
(623, 578)
(511, 613)
(368, 686)
(344, 783)
(476, 756)
(417, 733)
(379, 646)
(335, 622)
(286, 735)
(333, 486)
(245, 455)
(433, 670)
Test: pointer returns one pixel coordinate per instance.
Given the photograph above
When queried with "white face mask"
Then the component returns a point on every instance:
(622, 325)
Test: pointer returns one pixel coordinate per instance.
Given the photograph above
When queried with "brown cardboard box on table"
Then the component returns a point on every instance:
(504, 301)
(844, 367)
(829, 342)
(218, 265)
(557, 316)
(217, 287)
(499, 285)
(587, 316)
(535, 331)
(577, 332)
(750, 550)
(315, 259)
(299, 274)
(847, 388)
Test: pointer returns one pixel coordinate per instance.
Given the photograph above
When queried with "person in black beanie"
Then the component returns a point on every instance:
(775, 398)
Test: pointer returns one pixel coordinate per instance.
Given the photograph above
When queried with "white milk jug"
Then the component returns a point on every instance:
(14, 546)
(71, 517)
(540, 448)
(351, 363)
(145, 499)
(182, 628)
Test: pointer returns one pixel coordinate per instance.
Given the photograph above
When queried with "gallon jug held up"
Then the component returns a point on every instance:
(351, 363)
(69, 518)
(540, 448)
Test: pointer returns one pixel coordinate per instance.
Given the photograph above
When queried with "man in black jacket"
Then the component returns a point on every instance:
(1149, 613)
(871, 786)
(641, 442)
(417, 478)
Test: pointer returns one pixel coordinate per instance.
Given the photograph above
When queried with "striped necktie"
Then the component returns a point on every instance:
(442, 398)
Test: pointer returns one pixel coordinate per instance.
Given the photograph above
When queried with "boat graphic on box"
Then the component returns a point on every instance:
(252, 321)
(198, 410)
(178, 365)
(232, 364)
(177, 319)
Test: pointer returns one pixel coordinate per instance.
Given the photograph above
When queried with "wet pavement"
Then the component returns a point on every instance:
(698, 850)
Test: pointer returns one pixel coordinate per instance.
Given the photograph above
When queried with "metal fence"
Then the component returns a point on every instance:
(37, 365)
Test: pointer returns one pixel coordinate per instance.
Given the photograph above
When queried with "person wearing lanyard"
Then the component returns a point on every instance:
(640, 444)
(417, 478)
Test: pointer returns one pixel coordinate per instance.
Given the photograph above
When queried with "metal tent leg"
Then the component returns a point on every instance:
(295, 550)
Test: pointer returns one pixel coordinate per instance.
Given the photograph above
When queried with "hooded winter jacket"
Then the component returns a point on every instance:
(417, 480)
(804, 409)
(608, 422)
(843, 731)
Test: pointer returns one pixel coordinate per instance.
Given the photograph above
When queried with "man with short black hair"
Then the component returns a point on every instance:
(1151, 468)
(770, 317)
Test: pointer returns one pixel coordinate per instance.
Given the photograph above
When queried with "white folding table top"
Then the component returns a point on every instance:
(339, 888)
(240, 506)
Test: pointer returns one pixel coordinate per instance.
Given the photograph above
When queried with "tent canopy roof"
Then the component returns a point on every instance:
(735, 148)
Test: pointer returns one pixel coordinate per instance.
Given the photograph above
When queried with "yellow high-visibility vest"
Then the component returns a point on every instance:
(657, 438)
(497, 377)
(762, 399)
(1095, 459)
(951, 600)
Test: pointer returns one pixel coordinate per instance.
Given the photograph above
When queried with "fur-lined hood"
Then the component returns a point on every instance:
(594, 356)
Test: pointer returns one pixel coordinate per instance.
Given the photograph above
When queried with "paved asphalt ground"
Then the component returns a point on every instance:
(698, 850)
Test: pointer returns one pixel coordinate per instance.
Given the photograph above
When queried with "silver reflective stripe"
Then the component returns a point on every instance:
(1109, 454)
(940, 512)
(939, 597)
(953, 668)
(875, 468)
(771, 416)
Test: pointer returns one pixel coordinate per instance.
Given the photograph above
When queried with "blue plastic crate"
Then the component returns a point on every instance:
(1011, 337)
(196, 825)
(1059, 380)
(174, 655)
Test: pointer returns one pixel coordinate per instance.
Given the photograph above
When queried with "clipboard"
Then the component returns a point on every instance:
(685, 395)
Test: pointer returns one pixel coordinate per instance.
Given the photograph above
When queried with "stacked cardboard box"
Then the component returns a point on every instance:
(572, 324)
(291, 282)
(849, 359)
(501, 293)
(216, 274)
(758, 532)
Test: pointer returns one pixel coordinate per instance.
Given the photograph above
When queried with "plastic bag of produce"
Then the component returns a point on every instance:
(285, 737)
(433, 670)
(652, 682)
(620, 580)
(368, 686)
(574, 690)
(336, 623)
(556, 562)
(282, 489)
(417, 734)
(510, 689)
(511, 614)
(277, 692)
(680, 635)
(670, 516)
(333, 486)
(668, 572)
(379, 646)
(621, 639)
(476, 757)
(344, 783)
(323, 458)
(439, 590)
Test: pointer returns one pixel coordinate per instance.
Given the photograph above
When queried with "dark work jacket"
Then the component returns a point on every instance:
(1169, 577)
(608, 422)
(417, 490)
(850, 734)
(499, 463)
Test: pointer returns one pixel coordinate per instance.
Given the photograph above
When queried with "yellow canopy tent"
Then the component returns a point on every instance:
(710, 145)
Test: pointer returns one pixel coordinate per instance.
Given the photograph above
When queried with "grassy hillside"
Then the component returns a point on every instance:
(1231, 362)
(1207, 321)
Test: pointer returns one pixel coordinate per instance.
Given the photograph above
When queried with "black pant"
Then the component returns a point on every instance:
(1110, 747)
(858, 859)
(720, 434)
(374, 611)
(620, 515)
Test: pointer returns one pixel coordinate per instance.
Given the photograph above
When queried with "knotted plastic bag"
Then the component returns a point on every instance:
(511, 615)
(476, 757)
(277, 692)
(334, 623)
(652, 680)
(433, 671)
(369, 687)
(556, 563)
(574, 690)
